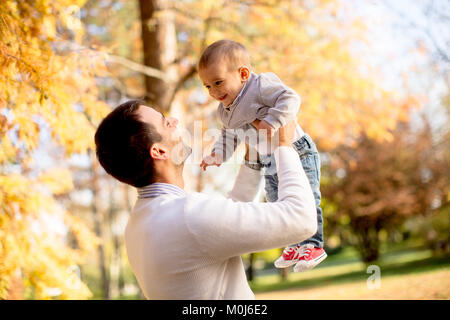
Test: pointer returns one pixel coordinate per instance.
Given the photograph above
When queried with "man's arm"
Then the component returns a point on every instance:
(225, 228)
(247, 183)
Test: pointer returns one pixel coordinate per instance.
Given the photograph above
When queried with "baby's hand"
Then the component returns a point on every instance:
(211, 160)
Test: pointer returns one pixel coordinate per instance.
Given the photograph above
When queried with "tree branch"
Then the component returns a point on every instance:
(441, 52)
(148, 71)
(183, 79)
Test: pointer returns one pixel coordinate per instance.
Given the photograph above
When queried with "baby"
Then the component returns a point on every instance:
(250, 102)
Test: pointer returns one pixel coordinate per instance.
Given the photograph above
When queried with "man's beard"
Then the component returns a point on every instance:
(180, 152)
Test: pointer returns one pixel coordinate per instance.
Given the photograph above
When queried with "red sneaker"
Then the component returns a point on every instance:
(290, 256)
(310, 257)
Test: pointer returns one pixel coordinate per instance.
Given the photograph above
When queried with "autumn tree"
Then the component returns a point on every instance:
(378, 185)
(47, 84)
(309, 45)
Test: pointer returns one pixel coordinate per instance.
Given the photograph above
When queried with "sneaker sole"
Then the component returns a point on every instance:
(316, 261)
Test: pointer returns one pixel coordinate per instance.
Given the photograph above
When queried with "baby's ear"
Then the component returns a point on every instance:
(244, 72)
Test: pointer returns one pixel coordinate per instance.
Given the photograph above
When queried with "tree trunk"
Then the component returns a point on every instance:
(283, 271)
(160, 49)
(96, 211)
(250, 269)
(116, 267)
(16, 289)
(115, 262)
(368, 241)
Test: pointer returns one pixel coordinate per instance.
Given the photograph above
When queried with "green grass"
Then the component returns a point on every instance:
(342, 266)
(345, 267)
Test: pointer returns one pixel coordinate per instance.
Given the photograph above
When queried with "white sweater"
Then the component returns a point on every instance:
(189, 247)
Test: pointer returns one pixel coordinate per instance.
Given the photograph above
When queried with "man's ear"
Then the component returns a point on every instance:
(244, 72)
(159, 152)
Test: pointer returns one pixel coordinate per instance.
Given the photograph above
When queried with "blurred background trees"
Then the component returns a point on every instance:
(48, 95)
(378, 116)
(375, 187)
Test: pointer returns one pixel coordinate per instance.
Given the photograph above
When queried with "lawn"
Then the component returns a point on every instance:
(410, 273)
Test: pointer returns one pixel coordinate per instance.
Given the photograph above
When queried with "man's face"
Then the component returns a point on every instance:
(168, 129)
(223, 83)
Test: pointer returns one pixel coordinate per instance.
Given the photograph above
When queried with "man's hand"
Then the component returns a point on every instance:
(211, 160)
(264, 125)
(267, 130)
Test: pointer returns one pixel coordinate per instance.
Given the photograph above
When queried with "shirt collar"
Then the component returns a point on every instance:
(159, 188)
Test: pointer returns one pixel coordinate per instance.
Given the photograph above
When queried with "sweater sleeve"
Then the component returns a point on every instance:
(284, 102)
(225, 228)
(246, 185)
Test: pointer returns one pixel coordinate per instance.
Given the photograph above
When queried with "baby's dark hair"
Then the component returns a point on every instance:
(234, 53)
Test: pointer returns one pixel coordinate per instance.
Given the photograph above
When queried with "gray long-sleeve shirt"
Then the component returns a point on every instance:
(263, 97)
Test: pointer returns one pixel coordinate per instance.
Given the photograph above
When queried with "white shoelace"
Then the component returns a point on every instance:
(301, 250)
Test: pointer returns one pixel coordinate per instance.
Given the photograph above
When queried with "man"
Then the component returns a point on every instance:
(188, 246)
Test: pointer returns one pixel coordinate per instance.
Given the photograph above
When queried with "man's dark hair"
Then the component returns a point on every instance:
(123, 142)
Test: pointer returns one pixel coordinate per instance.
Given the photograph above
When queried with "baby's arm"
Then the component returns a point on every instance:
(284, 103)
(223, 149)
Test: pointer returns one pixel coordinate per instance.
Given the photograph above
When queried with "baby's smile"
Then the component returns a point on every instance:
(222, 97)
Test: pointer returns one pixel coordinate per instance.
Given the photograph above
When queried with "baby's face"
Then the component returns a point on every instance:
(223, 83)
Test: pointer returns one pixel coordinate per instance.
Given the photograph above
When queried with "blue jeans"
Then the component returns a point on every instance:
(310, 160)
